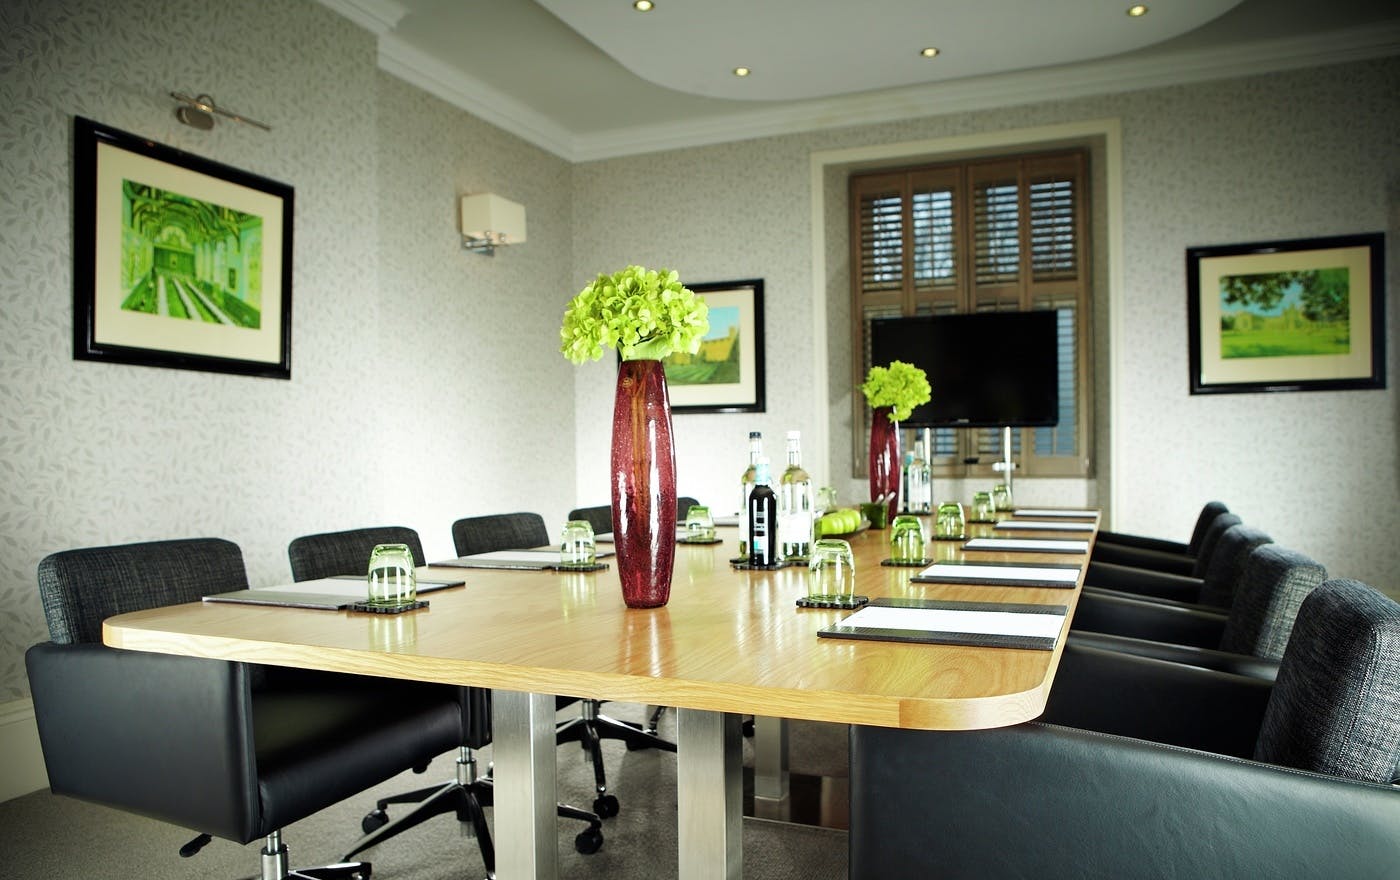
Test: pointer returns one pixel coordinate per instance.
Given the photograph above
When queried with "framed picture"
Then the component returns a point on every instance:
(726, 374)
(1304, 315)
(178, 261)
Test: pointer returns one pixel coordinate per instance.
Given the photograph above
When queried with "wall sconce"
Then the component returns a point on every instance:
(489, 221)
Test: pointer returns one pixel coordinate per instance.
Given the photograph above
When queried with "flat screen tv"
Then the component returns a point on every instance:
(987, 369)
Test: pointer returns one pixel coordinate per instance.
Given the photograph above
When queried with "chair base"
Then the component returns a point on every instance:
(274, 865)
(590, 728)
(466, 796)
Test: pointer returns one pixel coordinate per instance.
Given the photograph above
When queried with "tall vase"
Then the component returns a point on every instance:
(884, 458)
(643, 484)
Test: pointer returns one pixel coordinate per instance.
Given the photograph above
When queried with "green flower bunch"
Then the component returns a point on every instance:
(900, 386)
(643, 313)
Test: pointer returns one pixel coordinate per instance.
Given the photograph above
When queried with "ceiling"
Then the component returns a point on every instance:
(589, 79)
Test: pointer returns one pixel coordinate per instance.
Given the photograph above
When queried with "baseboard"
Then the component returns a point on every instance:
(22, 771)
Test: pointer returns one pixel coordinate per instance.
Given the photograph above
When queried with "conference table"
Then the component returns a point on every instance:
(729, 643)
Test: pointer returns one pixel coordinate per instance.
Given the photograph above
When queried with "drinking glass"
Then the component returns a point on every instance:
(1001, 496)
(826, 500)
(907, 539)
(831, 572)
(576, 545)
(699, 525)
(391, 579)
(949, 522)
(983, 508)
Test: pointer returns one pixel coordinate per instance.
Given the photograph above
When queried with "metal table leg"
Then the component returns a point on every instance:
(770, 768)
(710, 781)
(523, 752)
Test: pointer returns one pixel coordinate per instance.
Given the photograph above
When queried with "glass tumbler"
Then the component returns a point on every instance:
(949, 521)
(391, 579)
(1001, 496)
(699, 525)
(576, 546)
(831, 572)
(983, 508)
(907, 539)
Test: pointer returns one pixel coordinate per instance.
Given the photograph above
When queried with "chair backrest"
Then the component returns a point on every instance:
(683, 505)
(1211, 537)
(1335, 707)
(1212, 510)
(81, 588)
(500, 531)
(600, 517)
(1226, 565)
(1272, 588)
(332, 553)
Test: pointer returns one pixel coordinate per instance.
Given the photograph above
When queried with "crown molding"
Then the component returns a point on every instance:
(1103, 77)
(474, 96)
(379, 17)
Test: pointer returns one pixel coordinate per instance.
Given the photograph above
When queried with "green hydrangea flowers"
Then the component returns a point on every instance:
(643, 313)
(900, 386)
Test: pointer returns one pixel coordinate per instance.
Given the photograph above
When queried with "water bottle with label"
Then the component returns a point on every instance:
(795, 503)
(761, 510)
(746, 483)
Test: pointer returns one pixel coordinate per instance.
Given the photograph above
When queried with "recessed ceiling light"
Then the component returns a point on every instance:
(1137, 11)
(929, 51)
(642, 5)
(742, 71)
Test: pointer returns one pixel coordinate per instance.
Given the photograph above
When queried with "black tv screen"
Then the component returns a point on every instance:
(987, 369)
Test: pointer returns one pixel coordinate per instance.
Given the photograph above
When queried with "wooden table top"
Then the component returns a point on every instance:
(729, 640)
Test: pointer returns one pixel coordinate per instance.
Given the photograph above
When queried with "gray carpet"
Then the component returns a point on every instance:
(46, 836)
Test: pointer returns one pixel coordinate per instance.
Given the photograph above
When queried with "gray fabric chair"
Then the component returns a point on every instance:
(509, 531)
(1222, 557)
(600, 517)
(1146, 769)
(232, 750)
(1248, 640)
(1157, 554)
(348, 552)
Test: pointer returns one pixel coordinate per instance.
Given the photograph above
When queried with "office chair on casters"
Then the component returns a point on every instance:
(232, 750)
(511, 531)
(1144, 769)
(348, 552)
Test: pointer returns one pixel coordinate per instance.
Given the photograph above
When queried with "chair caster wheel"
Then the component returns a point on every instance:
(606, 806)
(747, 727)
(373, 821)
(588, 842)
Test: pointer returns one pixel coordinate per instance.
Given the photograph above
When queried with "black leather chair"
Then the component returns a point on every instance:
(232, 750)
(348, 552)
(508, 531)
(1247, 640)
(1223, 554)
(1146, 769)
(1157, 554)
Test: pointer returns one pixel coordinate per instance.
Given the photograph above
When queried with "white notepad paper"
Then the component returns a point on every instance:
(1047, 545)
(1056, 511)
(1045, 526)
(938, 620)
(1000, 572)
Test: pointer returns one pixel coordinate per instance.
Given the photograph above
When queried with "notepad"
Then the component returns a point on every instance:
(974, 624)
(1056, 511)
(528, 560)
(1053, 575)
(1033, 545)
(1042, 525)
(329, 593)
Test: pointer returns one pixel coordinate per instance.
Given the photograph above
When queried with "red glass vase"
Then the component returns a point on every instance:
(884, 459)
(643, 484)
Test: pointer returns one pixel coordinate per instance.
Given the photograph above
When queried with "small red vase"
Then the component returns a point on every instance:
(884, 459)
(643, 484)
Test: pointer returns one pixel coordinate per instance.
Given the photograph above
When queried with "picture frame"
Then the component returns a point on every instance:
(178, 261)
(727, 374)
(1295, 315)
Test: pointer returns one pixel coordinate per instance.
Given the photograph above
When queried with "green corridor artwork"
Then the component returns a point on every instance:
(189, 259)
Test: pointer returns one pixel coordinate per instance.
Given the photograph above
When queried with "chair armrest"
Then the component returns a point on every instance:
(1142, 542)
(1205, 658)
(1143, 582)
(1157, 700)
(1036, 800)
(166, 737)
(1147, 619)
(1142, 557)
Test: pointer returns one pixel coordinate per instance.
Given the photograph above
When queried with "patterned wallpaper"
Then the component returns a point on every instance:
(1298, 154)
(388, 415)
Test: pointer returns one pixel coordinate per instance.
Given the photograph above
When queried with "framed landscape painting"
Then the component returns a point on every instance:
(726, 374)
(178, 261)
(1301, 315)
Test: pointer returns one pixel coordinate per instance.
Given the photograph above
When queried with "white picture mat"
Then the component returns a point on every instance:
(745, 391)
